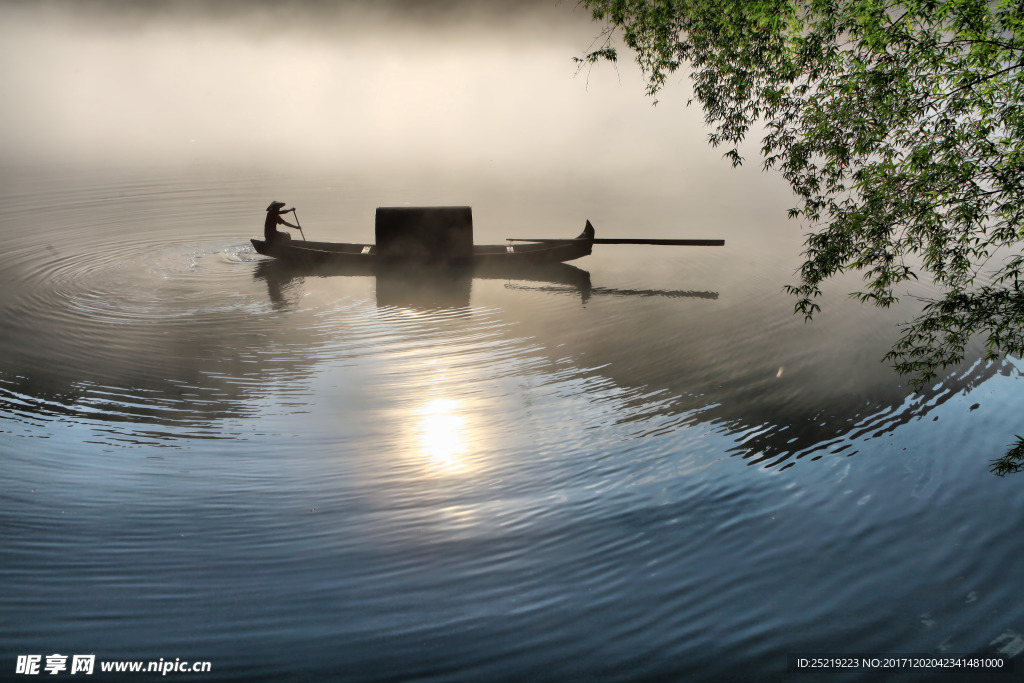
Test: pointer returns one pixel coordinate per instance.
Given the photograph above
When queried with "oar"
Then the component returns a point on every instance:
(296, 214)
(613, 240)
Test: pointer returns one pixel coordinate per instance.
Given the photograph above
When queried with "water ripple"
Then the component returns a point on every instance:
(471, 476)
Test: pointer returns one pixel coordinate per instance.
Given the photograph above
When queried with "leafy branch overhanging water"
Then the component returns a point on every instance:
(899, 127)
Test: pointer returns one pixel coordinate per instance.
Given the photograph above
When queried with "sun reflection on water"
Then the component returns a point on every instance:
(442, 433)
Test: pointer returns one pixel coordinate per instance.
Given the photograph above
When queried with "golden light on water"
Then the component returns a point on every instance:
(442, 432)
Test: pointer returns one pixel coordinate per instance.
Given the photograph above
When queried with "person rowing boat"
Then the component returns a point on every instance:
(270, 231)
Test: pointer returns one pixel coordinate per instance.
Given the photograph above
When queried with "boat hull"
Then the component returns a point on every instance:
(296, 251)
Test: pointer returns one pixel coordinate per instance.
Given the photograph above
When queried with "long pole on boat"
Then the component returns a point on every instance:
(296, 214)
(613, 240)
(677, 243)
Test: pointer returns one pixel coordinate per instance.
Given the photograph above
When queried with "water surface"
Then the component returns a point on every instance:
(638, 466)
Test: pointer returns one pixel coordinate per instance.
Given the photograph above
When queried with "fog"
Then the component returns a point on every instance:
(364, 84)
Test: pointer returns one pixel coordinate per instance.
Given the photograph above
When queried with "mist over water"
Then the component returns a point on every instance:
(353, 84)
(638, 465)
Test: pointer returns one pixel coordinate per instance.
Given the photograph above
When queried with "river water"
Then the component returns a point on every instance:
(639, 466)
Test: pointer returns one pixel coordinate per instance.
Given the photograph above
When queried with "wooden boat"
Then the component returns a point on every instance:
(535, 253)
(442, 235)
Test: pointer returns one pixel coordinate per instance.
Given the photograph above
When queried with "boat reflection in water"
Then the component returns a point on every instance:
(449, 287)
(421, 287)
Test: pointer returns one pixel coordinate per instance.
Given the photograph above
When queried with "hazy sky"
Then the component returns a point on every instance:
(315, 83)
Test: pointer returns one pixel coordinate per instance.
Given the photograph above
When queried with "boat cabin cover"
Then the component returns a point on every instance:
(424, 233)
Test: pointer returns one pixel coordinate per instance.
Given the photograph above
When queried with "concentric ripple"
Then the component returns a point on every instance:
(650, 467)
